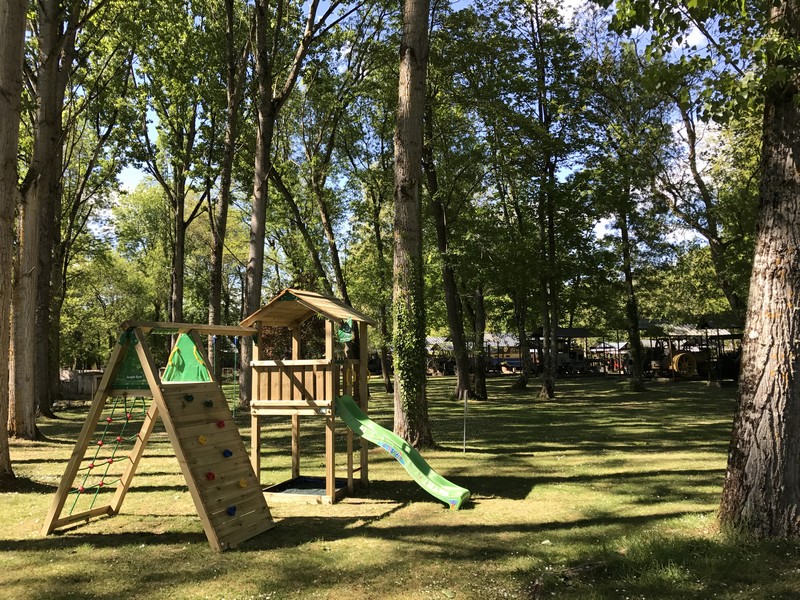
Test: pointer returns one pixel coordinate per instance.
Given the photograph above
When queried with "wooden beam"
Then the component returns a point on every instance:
(295, 446)
(203, 329)
(363, 386)
(255, 445)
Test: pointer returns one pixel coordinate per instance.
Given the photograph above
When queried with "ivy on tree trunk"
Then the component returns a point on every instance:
(410, 402)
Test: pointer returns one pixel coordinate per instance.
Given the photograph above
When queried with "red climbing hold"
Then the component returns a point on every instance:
(119, 438)
(211, 476)
(99, 442)
(109, 419)
(221, 424)
(110, 461)
(128, 416)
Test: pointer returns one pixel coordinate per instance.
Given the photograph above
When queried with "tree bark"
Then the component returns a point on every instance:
(234, 87)
(455, 320)
(410, 402)
(12, 43)
(269, 101)
(521, 322)
(631, 306)
(761, 493)
(478, 311)
(383, 309)
(40, 191)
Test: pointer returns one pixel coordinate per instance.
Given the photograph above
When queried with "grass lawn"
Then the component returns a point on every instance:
(600, 493)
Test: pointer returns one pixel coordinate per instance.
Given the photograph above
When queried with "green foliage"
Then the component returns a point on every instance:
(684, 291)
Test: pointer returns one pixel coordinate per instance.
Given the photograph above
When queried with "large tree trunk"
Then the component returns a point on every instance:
(40, 190)
(631, 307)
(12, 24)
(761, 493)
(410, 402)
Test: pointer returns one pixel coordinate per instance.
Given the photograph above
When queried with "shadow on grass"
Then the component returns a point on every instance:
(23, 485)
(678, 567)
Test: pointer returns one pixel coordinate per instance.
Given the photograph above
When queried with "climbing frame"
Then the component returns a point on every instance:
(200, 427)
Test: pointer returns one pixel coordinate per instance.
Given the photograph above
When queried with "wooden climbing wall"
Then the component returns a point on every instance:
(200, 426)
(214, 462)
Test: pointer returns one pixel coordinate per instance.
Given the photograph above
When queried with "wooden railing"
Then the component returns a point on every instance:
(288, 387)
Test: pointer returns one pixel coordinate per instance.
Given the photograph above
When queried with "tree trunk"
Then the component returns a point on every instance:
(479, 352)
(12, 24)
(383, 309)
(234, 84)
(761, 493)
(40, 189)
(305, 233)
(521, 321)
(455, 321)
(269, 100)
(410, 402)
(631, 307)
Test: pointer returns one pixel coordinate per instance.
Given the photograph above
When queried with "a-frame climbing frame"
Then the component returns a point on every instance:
(200, 427)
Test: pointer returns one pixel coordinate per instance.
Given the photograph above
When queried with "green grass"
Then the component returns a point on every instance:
(600, 493)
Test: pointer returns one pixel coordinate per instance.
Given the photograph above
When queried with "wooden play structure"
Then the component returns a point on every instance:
(308, 387)
(197, 420)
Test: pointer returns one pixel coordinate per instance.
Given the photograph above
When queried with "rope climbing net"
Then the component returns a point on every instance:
(109, 452)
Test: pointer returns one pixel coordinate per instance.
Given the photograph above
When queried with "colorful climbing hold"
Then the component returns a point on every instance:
(221, 424)
(110, 461)
(109, 419)
(188, 397)
(211, 476)
(202, 440)
(231, 510)
(99, 442)
(208, 403)
(243, 483)
(227, 453)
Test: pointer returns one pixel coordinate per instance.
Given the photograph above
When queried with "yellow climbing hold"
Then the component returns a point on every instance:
(243, 483)
(202, 439)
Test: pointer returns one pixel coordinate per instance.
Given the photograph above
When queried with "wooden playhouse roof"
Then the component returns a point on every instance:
(292, 307)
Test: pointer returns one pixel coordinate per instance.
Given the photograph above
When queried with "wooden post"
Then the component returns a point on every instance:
(330, 420)
(295, 446)
(296, 418)
(255, 420)
(363, 384)
(255, 443)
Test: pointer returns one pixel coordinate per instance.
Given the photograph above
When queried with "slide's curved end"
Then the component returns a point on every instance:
(416, 466)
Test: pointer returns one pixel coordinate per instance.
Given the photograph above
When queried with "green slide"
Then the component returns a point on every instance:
(420, 471)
